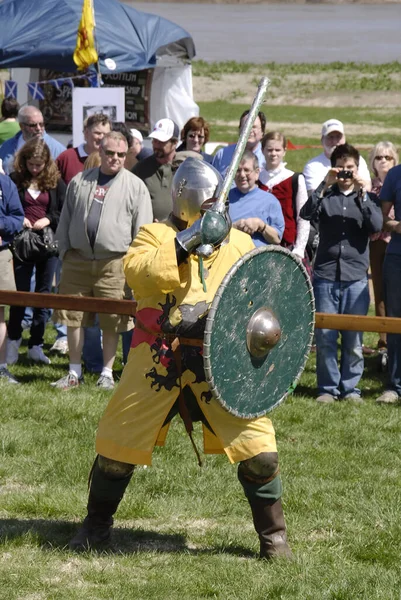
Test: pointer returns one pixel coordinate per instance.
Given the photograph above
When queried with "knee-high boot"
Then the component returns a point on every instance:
(105, 494)
(268, 519)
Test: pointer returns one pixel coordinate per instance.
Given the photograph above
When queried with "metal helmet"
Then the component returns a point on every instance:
(194, 182)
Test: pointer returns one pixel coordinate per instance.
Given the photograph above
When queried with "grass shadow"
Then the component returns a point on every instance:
(52, 535)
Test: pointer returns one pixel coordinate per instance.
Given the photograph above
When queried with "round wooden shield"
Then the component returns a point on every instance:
(259, 331)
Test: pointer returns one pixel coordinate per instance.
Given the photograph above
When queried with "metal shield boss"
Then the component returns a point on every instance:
(259, 331)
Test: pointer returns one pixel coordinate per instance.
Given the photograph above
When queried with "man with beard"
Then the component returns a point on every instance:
(164, 375)
(156, 171)
(317, 168)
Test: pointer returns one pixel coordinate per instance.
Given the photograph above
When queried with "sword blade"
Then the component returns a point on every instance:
(222, 201)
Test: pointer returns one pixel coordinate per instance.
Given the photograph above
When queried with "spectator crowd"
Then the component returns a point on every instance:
(341, 218)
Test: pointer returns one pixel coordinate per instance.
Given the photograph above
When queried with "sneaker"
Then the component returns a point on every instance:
(354, 397)
(6, 377)
(105, 382)
(37, 355)
(12, 351)
(60, 346)
(68, 381)
(326, 399)
(388, 397)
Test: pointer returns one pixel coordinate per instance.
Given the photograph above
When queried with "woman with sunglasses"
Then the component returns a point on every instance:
(382, 158)
(194, 135)
(42, 193)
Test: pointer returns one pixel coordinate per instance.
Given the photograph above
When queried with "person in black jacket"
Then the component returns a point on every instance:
(347, 214)
(42, 193)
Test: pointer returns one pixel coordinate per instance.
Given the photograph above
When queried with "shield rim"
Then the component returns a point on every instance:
(209, 327)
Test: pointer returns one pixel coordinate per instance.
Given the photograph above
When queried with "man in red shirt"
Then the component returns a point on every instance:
(71, 161)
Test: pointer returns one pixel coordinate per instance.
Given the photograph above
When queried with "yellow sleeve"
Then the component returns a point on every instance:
(242, 241)
(150, 265)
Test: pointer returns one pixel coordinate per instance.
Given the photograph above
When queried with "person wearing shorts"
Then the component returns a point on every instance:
(11, 220)
(102, 213)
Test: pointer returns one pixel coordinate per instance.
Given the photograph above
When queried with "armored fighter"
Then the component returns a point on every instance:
(175, 269)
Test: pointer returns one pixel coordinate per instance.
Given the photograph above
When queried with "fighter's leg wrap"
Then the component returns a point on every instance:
(259, 476)
(108, 482)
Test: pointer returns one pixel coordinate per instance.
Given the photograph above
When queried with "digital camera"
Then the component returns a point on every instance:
(345, 175)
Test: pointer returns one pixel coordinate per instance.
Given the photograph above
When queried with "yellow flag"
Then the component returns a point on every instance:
(85, 52)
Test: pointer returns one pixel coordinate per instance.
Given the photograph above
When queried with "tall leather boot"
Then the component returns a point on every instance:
(268, 519)
(104, 497)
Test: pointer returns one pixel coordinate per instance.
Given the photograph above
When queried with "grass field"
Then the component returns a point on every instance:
(186, 533)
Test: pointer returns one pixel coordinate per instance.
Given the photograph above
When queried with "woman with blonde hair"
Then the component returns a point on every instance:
(382, 158)
(289, 189)
(42, 193)
(92, 161)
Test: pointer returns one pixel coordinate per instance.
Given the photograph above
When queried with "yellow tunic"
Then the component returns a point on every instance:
(171, 299)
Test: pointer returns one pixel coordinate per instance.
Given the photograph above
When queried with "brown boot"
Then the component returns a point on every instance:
(269, 523)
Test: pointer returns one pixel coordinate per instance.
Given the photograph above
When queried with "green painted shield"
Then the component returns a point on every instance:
(266, 278)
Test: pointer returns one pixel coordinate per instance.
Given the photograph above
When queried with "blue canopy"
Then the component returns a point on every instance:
(43, 34)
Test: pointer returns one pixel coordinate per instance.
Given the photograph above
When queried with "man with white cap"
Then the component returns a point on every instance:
(317, 168)
(157, 171)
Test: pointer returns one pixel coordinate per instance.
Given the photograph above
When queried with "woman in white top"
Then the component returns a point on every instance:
(289, 188)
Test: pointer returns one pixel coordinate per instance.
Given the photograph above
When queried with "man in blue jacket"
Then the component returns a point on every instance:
(11, 219)
(32, 126)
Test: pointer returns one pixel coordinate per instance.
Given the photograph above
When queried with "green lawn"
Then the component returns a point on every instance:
(185, 532)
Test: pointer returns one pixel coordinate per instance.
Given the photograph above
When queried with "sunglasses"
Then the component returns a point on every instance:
(34, 125)
(111, 153)
(386, 157)
(192, 136)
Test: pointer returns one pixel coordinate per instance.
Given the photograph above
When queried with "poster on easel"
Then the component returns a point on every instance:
(89, 101)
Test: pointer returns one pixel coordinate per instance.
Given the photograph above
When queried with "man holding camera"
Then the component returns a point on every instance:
(347, 215)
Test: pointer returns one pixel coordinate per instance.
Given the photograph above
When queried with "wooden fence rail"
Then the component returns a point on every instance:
(125, 307)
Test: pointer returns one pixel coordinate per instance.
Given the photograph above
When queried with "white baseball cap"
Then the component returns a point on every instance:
(137, 135)
(164, 130)
(332, 125)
